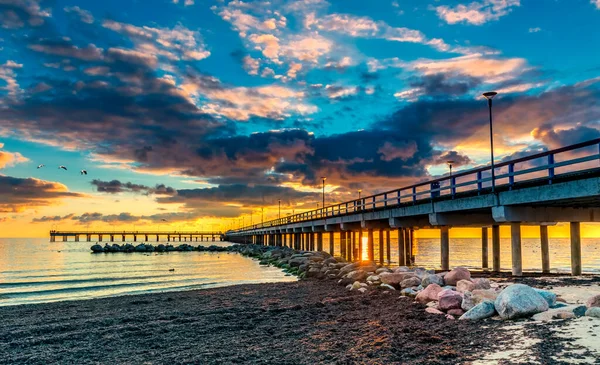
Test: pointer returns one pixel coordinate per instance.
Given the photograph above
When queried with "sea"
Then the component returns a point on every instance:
(34, 270)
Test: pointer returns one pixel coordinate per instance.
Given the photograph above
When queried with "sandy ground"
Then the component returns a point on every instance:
(306, 322)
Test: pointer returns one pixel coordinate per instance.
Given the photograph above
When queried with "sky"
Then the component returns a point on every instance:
(197, 114)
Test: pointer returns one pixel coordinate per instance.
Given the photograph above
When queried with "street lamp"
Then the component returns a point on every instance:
(489, 96)
(359, 191)
(449, 163)
(324, 178)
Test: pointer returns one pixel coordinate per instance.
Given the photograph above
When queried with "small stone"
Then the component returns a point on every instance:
(362, 290)
(382, 269)
(432, 279)
(429, 294)
(349, 286)
(456, 312)
(593, 301)
(408, 292)
(410, 282)
(356, 285)
(482, 310)
(593, 312)
(386, 286)
(449, 299)
(433, 310)
(374, 278)
(465, 285)
(448, 316)
(564, 315)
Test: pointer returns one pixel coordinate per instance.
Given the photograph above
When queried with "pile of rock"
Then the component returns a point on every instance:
(146, 247)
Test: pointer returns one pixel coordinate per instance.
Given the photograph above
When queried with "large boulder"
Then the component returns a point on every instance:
(468, 301)
(593, 301)
(456, 275)
(482, 310)
(479, 295)
(549, 296)
(410, 282)
(429, 294)
(519, 300)
(482, 283)
(297, 261)
(402, 269)
(449, 299)
(140, 248)
(432, 279)
(394, 279)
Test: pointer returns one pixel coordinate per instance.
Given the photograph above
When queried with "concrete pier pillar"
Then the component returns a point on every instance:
(545, 249)
(515, 243)
(370, 246)
(401, 250)
(157, 239)
(302, 241)
(388, 246)
(135, 238)
(65, 239)
(407, 247)
(381, 247)
(484, 247)
(353, 246)
(496, 248)
(146, 237)
(343, 244)
(331, 245)
(100, 237)
(168, 238)
(359, 237)
(349, 249)
(445, 247)
(319, 241)
(312, 241)
(88, 237)
(575, 248)
(76, 238)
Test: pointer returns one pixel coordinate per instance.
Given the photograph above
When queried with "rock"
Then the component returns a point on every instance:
(479, 295)
(408, 292)
(373, 278)
(449, 316)
(482, 283)
(394, 279)
(97, 248)
(356, 285)
(140, 248)
(407, 283)
(564, 315)
(549, 296)
(558, 305)
(382, 269)
(433, 311)
(593, 301)
(519, 300)
(420, 272)
(432, 279)
(482, 310)
(357, 275)
(449, 299)
(349, 287)
(579, 310)
(297, 261)
(465, 285)
(363, 285)
(402, 269)
(593, 312)
(468, 303)
(456, 312)
(314, 272)
(386, 286)
(429, 294)
(362, 290)
(456, 275)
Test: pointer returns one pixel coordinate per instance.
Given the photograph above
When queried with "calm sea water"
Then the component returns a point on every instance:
(35, 270)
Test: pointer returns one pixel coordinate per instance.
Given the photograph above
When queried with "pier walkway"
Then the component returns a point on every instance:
(561, 185)
(171, 236)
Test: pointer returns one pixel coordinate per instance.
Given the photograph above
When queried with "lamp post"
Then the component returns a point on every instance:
(449, 163)
(489, 96)
(324, 178)
(359, 191)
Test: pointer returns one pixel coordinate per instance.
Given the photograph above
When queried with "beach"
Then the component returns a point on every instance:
(305, 322)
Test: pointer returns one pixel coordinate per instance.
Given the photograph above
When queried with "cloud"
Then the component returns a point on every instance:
(476, 13)
(19, 194)
(116, 186)
(16, 13)
(536, 29)
(251, 65)
(556, 137)
(595, 2)
(11, 158)
(9, 76)
(184, 2)
(65, 48)
(84, 15)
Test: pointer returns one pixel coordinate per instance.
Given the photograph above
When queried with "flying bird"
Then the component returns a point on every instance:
(83, 172)
(40, 166)
(62, 167)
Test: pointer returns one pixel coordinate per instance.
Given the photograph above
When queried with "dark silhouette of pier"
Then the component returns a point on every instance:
(171, 236)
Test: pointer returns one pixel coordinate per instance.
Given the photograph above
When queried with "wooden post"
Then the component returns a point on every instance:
(545, 249)
(381, 247)
(370, 246)
(496, 248)
(360, 245)
(407, 248)
(349, 245)
(319, 241)
(484, 247)
(445, 242)
(342, 244)
(517, 260)
(575, 248)
(388, 244)
(331, 245)
(401, 250)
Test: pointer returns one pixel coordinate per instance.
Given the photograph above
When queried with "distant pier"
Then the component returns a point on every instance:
(144, 236)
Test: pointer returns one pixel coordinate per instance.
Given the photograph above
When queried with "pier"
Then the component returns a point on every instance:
(561, 185)
(137, 236)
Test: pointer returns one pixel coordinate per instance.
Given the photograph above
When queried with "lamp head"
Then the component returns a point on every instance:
(490, 95)
(323, 178)
(360, 190)
(449, 163)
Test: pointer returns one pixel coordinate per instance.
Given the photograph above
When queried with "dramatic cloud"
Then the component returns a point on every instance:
(19, 194)
(9, 76)
(596, 2)
(84, 15)
(11, 158)
(476, 13)
(18, 13)
(115, 186)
